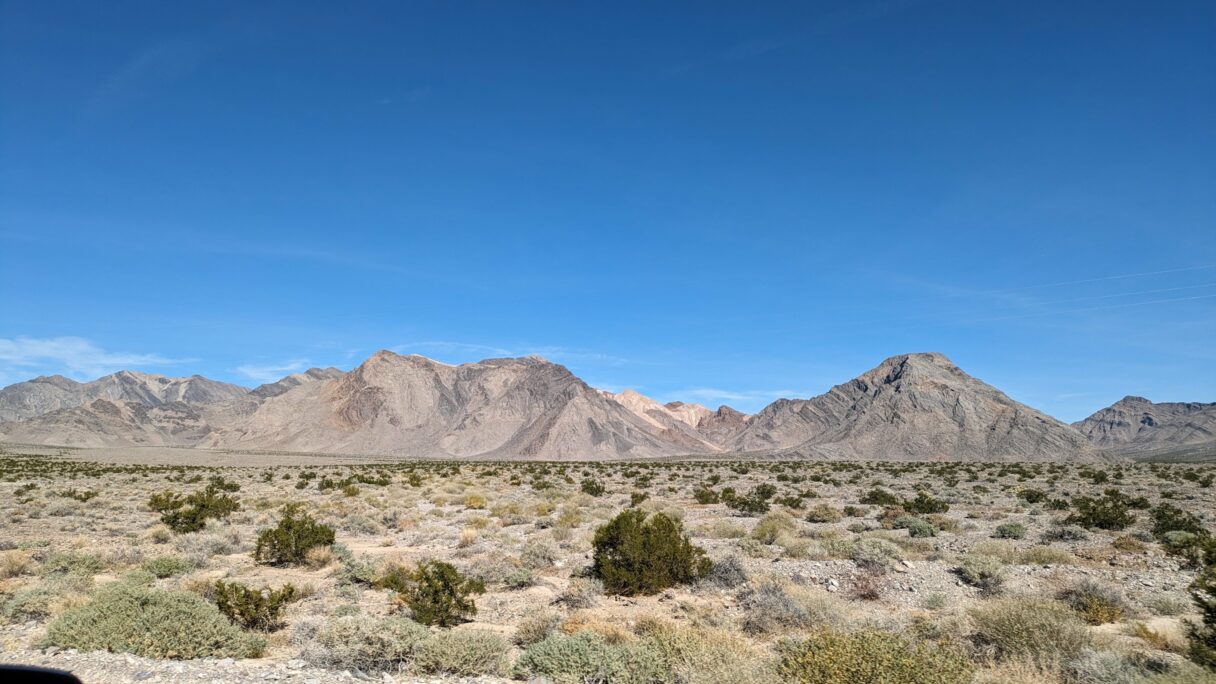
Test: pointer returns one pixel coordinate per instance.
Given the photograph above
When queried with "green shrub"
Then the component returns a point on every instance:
(1096, 604)
(33, 603)
(1108, 512)
(924, 503)
(983, 572)
(1032, 496)
(1010, 531)
(295, 534)
(756, 501)
(167, 566)
(1202, 635)
(705, 495)
(190, 513)
(773, 525)
(916, 527)
(879, 497)
(132, 617)
(592, 487)
(869, 657)
(366, 644)
(635, 555)
(257, 609)
(586, 658)
(462, 653)
(1047, 632)
(438, 594)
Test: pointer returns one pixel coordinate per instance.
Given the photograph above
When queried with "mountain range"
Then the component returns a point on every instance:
(910, 407)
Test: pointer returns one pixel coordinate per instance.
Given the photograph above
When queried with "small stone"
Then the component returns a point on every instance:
(295, 664)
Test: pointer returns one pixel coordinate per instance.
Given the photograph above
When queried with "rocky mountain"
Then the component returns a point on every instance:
(411, 406)
(911, 407)
(108, 423)
(45, 394)
(1135, 425)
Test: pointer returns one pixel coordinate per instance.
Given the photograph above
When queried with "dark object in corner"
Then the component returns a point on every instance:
(28, 674)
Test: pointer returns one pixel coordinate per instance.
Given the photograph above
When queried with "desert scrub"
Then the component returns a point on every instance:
(465, 653)
(1108, 512)
(705, 656)
(190, 513)
(982, 572)
(167, 566)
(916, 527)
(538, 554)
(772, 526)
(1095, 603)
(822, 513)
(15, 563)
(727, 573)
(436, 592)
(869, 657)
(636, 555)
(587, 658)
(133, 617)
(256, 609)
(1044, 631)
(366, 644)
(1010, 531)
(288, 542)
(1202, 634)
(924, 503)
(535, 627)
(873, 554)
(70, 563)
(769, 607)
(582, 592)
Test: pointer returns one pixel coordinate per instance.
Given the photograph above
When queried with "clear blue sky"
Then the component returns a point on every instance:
(718, 202)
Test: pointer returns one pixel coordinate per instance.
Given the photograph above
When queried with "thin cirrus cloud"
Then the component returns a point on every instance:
(711, 394)
(272, 372)
(75, 357)
(482, 351)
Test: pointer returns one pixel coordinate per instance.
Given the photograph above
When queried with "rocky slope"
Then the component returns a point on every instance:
(108, 423)
(1135, 425)
(43, 395)
(411, 406)
(911, 407)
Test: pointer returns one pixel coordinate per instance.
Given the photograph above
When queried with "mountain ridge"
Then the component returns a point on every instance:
(918, 406)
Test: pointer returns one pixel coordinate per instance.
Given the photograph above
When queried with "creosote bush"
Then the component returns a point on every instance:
(1202, 634)
(869, 657)
(636, 555)
(1108, 512)
(288, 542)
(190, 513)
(436, 592)
(256, 609)
(133, 617)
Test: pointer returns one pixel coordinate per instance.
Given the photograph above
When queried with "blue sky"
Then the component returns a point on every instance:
(716, 202)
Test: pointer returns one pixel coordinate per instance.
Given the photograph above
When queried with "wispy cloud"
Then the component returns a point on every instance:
(153, 66)
(75, 357)
(713, 394)
(271, 372)
(563, 354)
